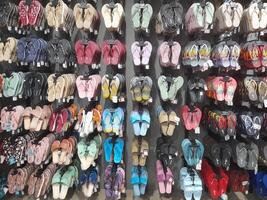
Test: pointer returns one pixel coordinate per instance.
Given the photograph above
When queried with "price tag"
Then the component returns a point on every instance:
(224, 197)
(244, 183)
(210, 63)
(120, 66)
(227, 137)
(1, 95)
(14, 98)
(150, 100)
(201, 93)
(147, 67)
(230, 103)
(257, 126)
(198, 166)
(145, 152)
(122, 99)
(265, 103)
(174, 101)
(115, 99)
(178, 66)
(177, 120)
(197, 130)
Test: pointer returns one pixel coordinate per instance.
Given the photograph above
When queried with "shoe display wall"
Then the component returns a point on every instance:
(123, 99)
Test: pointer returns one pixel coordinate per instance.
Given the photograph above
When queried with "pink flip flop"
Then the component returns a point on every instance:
(176, 50)
(136, 50)
(164, 52)
(230, 90)
(146, 53)
(219, 86)
(81, 87)
(169, 181)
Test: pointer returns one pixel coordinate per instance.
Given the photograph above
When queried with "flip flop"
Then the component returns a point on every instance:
(117, 122)
(107, 121)
(105, 86)
(146, 88)
(135, 121)
(164, 121)
(172, 122)
(118, 150)
(108, 147)
(143, 180)
(175, 86)
(161, 178)
(163, 87)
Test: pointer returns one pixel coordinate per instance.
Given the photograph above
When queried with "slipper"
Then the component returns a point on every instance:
(161, 178)
(143, 180)
(117, 15)
(135, 181)
(136, 50)
(56, 184)
(169, 181)
(146, 16)
(108, 147)
(146, 53)
(144, 150)
(164, 122)
(135, 152)
(114, 87)
(145, 119)
(135, 121)
(171, 123)
(136, 15)
(251, 87)
(106, 13)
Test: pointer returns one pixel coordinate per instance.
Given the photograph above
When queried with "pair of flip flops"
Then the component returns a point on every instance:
(141, 52)
(17, 178)
(165, 178)
(112, 121)
(113, 52)
(245, 155)
(250, 124)
(254, 17)
(37, 152)
(190, 183)
(31, 14)
(40, 180)
(89, 120)
(113, 149)
(63, 150)
(86, 17)
(193, 151)
(228, 16)
(13, 84)
(63, 118)
(191, 116)
(222, 123)
(64, 179)
(8, 50)
(60, 18)
(255, 88)
(253, 55)
(196, 54)
(61, 52)
(215, 179)
(141, 88)
(258, 182)
(112, 86)
(219, 153)
(168, 121)
(113, 15)
(166, 151)
(239, 180)
(35, 85)
(140, 149)
(9, 15)
(88, 151)
(169, 86)
(221, 88)
(199, 17)
(140, 121)
(170, 18)
(196, 89)
(89, 181)
(139, 180)
(226, 54)
(169, 54)
(37, 119)
(11, 118)
(32, 51)
(88, 53)
(88, 86)
(114, 181)
(61, 87)
(141, 16)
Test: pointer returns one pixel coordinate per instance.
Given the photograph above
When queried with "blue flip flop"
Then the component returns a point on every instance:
(118, 118)
(145, 122)
(118, 150)
(135, 181)
(186, 183)
(185, 147)
(135, 121)
(143, 180)
(108, 146)
(107, 121)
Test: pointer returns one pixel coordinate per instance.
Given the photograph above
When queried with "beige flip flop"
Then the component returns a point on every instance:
(163, 120)
(172, 123)
(135, 153)
(144, 152)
